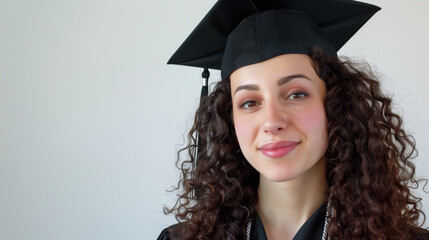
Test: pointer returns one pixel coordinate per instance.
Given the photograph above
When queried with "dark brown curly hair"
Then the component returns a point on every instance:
(369, 171)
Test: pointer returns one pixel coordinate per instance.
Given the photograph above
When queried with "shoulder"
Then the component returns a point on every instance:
(165, 234)
(424, 236)
(420, 233)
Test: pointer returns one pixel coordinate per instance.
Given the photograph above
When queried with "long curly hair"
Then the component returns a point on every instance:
(369, 168)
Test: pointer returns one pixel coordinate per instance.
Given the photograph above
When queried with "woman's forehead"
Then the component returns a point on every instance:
(277, 67)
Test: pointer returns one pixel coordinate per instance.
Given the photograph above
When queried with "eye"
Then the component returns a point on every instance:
(298, 95)
(249, 104)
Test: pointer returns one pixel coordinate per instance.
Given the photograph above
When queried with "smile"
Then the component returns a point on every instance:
(278, 149)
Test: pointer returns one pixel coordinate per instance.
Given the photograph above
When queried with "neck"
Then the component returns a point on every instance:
(285, 206)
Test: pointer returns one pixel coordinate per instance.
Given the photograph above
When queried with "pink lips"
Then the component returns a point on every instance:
(278, 149)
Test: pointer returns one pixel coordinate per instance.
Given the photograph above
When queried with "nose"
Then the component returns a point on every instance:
(275, 121)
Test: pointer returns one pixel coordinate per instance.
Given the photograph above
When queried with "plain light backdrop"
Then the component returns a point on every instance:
(91, 116)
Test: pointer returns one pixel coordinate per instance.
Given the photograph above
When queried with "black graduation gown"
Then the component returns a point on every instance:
(311, 230)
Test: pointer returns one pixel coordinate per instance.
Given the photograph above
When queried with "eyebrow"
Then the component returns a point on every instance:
(289, 78)
(250, 87)
(281, 81)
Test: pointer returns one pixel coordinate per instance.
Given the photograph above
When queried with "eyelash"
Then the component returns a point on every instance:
(301, 95)
(245, 104)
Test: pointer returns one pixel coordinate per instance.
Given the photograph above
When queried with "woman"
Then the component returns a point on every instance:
(294, 142)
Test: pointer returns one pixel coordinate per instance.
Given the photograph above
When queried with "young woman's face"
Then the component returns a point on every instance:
(279, 116)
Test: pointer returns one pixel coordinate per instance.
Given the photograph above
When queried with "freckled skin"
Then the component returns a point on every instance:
(293, 111)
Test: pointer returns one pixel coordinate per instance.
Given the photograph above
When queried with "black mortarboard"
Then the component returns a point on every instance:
(236, 33)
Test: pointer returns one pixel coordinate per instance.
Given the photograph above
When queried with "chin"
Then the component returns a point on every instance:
(280, 176)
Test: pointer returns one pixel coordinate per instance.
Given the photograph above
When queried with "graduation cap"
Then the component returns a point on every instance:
(237, 33)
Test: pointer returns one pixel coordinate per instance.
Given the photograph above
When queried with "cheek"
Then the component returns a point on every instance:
(246, 130)
(241, 130)
(314, 122)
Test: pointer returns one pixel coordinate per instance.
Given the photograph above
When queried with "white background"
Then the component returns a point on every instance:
(91, 116)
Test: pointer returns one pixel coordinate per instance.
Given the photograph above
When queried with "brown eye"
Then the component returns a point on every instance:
(298, 95)
(249, 104)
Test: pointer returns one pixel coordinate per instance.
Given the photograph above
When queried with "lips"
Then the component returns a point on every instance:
(278, 149)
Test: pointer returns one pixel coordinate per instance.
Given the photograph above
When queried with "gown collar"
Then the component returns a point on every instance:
(312, 229)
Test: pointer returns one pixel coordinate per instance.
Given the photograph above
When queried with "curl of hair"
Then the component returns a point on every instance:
(224, 182)
(369, 171)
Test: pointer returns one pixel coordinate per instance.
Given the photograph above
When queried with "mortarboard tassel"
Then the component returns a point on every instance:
(204, 92)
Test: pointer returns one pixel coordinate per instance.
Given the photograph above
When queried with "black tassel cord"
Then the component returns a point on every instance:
(204, 92)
